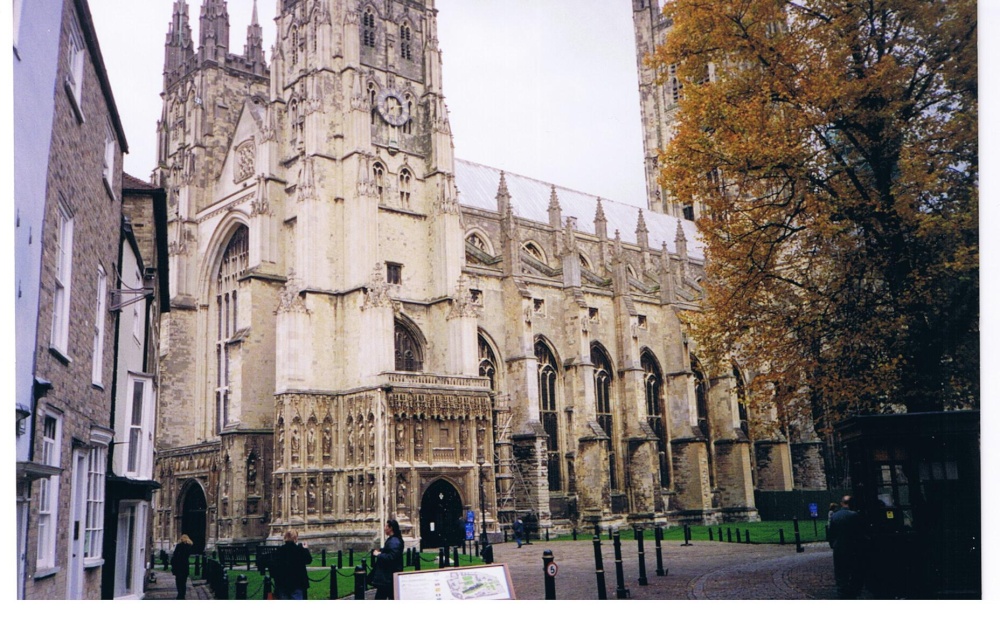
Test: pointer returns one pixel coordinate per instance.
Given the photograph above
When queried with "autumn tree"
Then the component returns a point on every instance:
(832, 148)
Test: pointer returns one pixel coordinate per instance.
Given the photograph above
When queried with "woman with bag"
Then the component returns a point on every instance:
(388, 561)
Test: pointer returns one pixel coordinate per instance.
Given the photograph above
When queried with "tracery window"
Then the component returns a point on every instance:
(602, 392)
(547, 376)
(233, 266)
(378, 172)
(405, 42)
(408, 354)
(653, 380)
(675, 88)
(368, 28)
(487, 362)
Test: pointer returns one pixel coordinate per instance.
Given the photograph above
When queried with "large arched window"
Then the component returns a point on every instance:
(653, 380)
(368, 28)
(701, 403)
(548, 373)
(232, 267)
(487, 362)
(409, 357)
(602, 393)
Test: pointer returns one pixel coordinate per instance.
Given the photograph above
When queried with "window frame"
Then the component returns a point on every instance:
(138, 454)
(62, 284)
(93, 537)
(75, 60)
(110, 153)
(48, 492)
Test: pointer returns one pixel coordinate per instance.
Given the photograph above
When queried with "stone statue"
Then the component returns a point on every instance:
(401, 490)
(350, 494)
(311, 443)
(327, 443)
(295, 444)
(327, 497)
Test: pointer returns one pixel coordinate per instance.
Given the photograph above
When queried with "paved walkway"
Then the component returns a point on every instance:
(703, 570)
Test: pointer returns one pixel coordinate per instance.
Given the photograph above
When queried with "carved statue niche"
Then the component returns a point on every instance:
(327, 496)
(311, 442)
(400, 440)
(327, 439)
(418, 444)
(311, 496)
(281, 441)
(371, 438)
(372, 492)
(401, 480)
(252, 473)
(350, 440)
(350, 494)
(463, 439)
(294, 442)
(279, 494)
(480, 442)
(295, 496)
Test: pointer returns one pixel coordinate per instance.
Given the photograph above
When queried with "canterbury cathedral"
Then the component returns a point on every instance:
(363, 327)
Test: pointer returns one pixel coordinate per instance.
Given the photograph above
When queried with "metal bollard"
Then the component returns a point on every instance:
(333, 582)
(574, 533)
(658, 535)
(602, 591)
(322, 557)
(241, 587)
(687, 535)
(340, 559)
(350, 557)
(642, 558)
(224, 586)
(456, 556)
(729, 534)
(476, 545)
(747, 538)
(546, 534)
(622, 592)
(548, 560)
(597, 530)
(798, 537)
(720, 534)
(710, 536)
(781, 536)
(442, 558)
(359, 582)
(738, 539)
(267, 586)
(416, 560)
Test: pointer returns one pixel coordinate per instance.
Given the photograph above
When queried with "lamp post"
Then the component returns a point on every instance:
(483, 541)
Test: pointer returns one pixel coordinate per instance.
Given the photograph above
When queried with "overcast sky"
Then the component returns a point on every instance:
(543, 88)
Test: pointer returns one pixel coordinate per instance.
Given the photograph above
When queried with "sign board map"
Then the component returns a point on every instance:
(473, 582)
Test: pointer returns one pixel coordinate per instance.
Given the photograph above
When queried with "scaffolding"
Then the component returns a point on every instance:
(509, 480)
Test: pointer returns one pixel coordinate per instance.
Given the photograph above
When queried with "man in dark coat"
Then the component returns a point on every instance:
(288, 568)
(847, 537)
(180, 564)
(388, 561)
(518, 531)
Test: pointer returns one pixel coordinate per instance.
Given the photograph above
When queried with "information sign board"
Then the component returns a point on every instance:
(473, 582)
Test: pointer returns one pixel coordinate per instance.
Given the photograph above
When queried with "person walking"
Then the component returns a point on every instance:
(847, 537)
(388, 561)
(518, 531)
(288, 568)
(180, 564)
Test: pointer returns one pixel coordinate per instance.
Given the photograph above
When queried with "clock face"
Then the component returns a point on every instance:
(392, 108)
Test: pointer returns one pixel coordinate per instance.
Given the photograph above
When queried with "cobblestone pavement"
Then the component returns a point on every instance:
(166, 588)
(703, 570)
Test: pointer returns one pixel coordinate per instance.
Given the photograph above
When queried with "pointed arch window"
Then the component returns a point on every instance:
(405, 42)
(408, 125)
(487, 363)
(378, 174)
(548, 373)
(701, 404)
(409, 357)
(653, 380)
(368, 28)
(295, 45)
(741, 401)
(602, 392)
(404, 188)
(233, 266)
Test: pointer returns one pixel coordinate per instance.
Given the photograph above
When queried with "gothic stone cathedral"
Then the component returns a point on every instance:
(364, 327)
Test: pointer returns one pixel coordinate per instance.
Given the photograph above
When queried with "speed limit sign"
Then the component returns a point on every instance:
(552, 570)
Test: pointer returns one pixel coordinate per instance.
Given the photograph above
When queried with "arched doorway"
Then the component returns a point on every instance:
(193, 516)
(442, 521)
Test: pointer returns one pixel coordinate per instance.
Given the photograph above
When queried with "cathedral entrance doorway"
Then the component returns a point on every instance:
(193, 508)
(441, 517)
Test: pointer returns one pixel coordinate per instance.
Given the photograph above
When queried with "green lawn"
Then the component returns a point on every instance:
(319, 576)
(760, 532)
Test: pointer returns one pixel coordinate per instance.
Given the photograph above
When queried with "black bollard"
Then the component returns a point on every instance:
(815, 529)
(597, 530)
(197, 565)
(798, 537)
(267, 586)
(322, 556)
(350, 557)
(546, 534)
(550, 574)
(710, 537)
(574, 533)
(729, 534)
(224, 587)
(442, 558)
(622, 592)
(747, 538)
(642, 558)
(416, 560)
(687, 535)
(340, 559)
(241, 587)
(333, 582)
(505, 534)
(476, 544)
(456, 556)
(720, 534)
(738, 539)
(359, 582)
(781, 536)
(658, 535)
(602, 591)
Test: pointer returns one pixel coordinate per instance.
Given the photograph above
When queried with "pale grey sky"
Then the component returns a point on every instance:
(543, 88)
